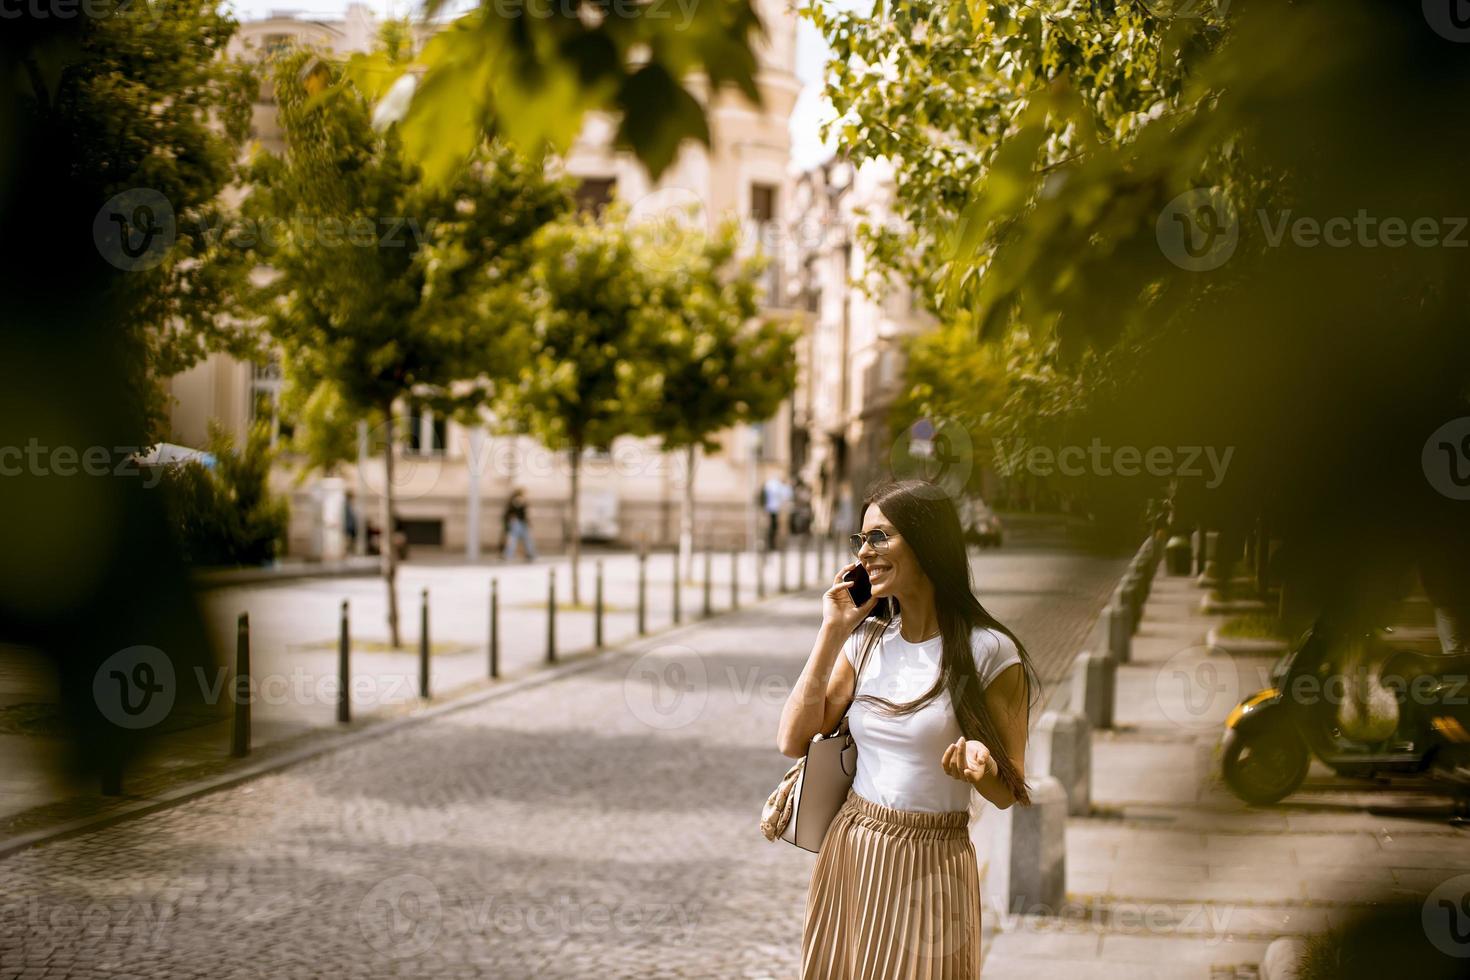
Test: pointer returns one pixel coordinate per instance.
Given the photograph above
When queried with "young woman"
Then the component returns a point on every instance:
(941, 709)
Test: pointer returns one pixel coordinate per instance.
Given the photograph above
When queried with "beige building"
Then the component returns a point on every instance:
(451, 482)
(852, 364)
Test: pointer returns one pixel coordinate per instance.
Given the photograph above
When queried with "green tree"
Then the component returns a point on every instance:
(388, 290)
(950, 94)
(712, 364)
(225, 513)
(1147, 231)
(948, 377)
(92, 106)
(155, 117)
(595, 310)
(504, 71)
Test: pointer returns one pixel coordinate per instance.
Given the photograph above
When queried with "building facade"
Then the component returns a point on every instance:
(451, 482)
(852, 358)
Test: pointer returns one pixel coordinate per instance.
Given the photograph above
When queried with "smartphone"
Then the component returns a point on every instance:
(862, 591)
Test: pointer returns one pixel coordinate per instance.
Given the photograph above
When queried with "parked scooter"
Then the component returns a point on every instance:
(1271, 736)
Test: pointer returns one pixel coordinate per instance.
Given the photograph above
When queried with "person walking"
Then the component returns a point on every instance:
(940, 712)
(517, 526)
(349, 521)
(774, 495)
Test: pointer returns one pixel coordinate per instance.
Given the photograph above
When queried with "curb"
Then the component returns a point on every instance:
(1244, 646)
(573, 663)
(1211, 604)
(224, 578)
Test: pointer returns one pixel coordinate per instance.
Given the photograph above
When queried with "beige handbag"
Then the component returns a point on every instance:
(802, 806)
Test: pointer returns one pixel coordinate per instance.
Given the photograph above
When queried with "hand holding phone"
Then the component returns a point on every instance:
(850, 599)
(862, 588)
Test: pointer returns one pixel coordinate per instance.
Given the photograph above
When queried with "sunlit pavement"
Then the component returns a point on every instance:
(603, 824)
(1171, 877)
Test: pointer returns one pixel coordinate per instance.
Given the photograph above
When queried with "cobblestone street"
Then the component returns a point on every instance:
(602, 824)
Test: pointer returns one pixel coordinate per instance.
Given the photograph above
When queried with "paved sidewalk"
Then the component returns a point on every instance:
(1171, 876)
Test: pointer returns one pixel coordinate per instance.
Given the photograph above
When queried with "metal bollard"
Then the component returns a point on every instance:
(424, 644)
(760, 572)
(240, 737)
(643, 588)
(597, 609)
(781, 569)
(494, 629)
(801, 564)
(734, 579)
(344, 669)
(678, 614)
(551, 615)
(708, 606)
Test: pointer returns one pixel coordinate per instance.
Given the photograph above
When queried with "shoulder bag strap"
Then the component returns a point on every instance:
(858, 674)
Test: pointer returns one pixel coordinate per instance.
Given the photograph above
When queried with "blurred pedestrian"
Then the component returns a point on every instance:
(517, 526)
(774, 497)
(801, 508)
(349, 522)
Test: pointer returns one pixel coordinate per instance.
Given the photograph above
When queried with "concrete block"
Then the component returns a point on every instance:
(1135, 595)
(1118, 629)
(1095, 688)
(1061, 747)
(1025, 852)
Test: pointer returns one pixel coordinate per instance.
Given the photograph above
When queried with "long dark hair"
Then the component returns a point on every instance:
(925, 516)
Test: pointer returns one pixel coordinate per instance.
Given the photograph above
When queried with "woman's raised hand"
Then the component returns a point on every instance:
(838, 608)
(968, 761)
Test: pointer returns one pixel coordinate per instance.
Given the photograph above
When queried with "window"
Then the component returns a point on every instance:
(275, 44)
(265, 397)
(762, 203)
(765, 441)
(595, 193)
(811, 287)
(427, 434)
(887, 367)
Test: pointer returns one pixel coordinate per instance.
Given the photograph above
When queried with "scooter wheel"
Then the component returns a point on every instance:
(1263, 767)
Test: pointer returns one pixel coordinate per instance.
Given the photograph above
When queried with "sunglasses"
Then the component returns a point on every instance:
(877, 537)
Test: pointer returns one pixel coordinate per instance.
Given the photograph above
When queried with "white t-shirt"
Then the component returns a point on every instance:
(899, 755)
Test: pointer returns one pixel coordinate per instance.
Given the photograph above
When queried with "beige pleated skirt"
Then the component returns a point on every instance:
(895, 895)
